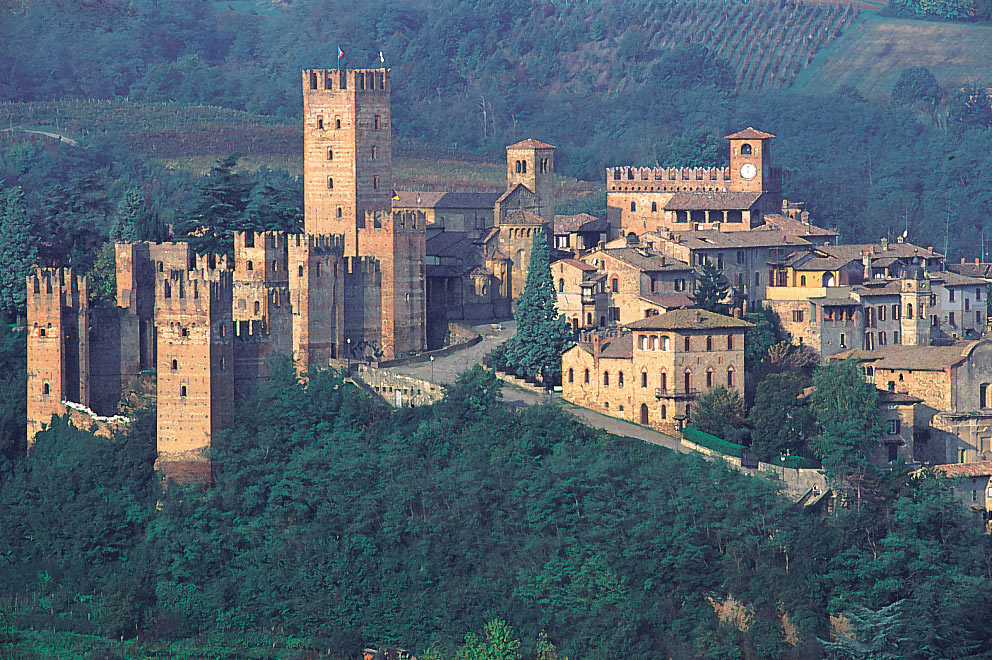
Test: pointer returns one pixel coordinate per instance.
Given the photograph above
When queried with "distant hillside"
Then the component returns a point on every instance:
(870, 55)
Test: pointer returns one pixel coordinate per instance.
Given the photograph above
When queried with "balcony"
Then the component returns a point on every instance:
(675, 394)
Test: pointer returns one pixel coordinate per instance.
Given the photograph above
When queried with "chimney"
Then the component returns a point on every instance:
(866, 261)
(962, 260)
(930, 249)
(885, 244)
(597, 341)
(699, 316)
(662, 260)
(977, 261)
(804, 216)
(900, 239)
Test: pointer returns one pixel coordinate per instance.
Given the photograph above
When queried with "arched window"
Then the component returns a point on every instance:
(517, 167)
(589, 318)
(687, 344)
(664, 412)
(340, 212)
(802, 280)
(664, 381)
(666, 344)
(709, 342)
(606, 378)
(337, 123)
(330, 183)
(182, 390)
(730, 377)
(320, 123)
(250, 266)
(586, 378)
(709, 378)
(633, 206)
(330, 154)
(571, 375)
(523, 166)
(644, 413)
(654, 207)
(654, 343)
(828, 279)
(909, 310)
(620, 379)
(746, 149)
(615, 285)
(175, 364)
(688, 381)
(561, 284)
(46, 389)
(644, 379)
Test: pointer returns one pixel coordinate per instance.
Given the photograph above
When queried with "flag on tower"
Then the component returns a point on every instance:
(340, 53)
(418, 198)
(905, 233)
(381, 58)
(396, 196)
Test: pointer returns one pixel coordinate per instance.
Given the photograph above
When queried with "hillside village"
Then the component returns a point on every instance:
(380, 275)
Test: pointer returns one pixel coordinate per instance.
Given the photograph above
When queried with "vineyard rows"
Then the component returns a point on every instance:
(768, 42)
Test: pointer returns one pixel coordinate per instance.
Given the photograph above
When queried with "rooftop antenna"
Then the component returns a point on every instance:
(947, 225)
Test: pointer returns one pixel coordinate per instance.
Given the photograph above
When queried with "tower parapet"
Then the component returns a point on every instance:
(668, 179)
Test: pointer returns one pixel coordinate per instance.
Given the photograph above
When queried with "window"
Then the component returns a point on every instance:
(664, 381)
(665, 344)
(46, 389)
(687, 343)
(719, 261)
(374, 152)
(340, 212)
(740, 256)
(313, 80)
(746, 149)
(256, 307)
(615, 285)
(664, 412)
(222, 364)
(337, 123)
(375, 183)
(654, 343)
(881, 312)
(523, 166)
(967, 304)
(320, 123)
(797, 316)
(950, 295)
(641, 342)
(688, 382)
(182, 390)
(843, 340)
(891, 386)
(175, 365)
(620, 379)
(709, 342)
(895, 336)
(330, 183)
(893, 426)
(606, 378)
(571, 376)
(757, 278)
(881, 339)
(644, 379)
(633, 207)
(275, 266)
(680, 284)
(950, 318)
(983, 395)
(561, 284)
(586, 378)
(184, 332)
(730, 342)
(654, 207)
(300, 271)
(376, 123)
(730, 377)
(709, 378)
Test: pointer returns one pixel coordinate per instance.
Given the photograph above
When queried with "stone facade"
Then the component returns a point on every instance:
(651, 371)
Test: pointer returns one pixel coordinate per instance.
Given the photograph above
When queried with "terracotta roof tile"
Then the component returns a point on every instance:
(688, 319)
(958, 470)
(749, 133)
(575, 263)
(530, 143)
(917, 358)
(522, 217)
(711, 201)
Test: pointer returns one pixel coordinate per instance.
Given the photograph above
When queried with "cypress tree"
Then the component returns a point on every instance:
(128, 217)
(542, 333)
(711, 290)
(18, 253)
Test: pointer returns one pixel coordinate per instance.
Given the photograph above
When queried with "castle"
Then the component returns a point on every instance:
(356, 284)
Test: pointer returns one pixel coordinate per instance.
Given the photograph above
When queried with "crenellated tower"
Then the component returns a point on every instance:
(195, 368)
(316, 277)
(347, 150)
(57, 346)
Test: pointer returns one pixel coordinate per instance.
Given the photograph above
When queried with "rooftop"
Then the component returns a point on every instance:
(783, 223)
(669, 300)
(565, 224)
(972, 269)
(736, 239)
(711, 201)
(959, 470)
(575, 263)
(899, 250)
(445, 200)
(688, 319)
(522, 217)
(530, 143)
(749, 133)
(643, 258)
(917, 358)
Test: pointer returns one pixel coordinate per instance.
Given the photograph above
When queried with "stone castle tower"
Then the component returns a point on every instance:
(751, 164)
(347, 171)
(532, 163)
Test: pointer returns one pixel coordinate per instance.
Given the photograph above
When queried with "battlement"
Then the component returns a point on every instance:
(411, 220)
(209, 263)
(182, 290)
(354, 265)
(46, 286)
(251, 331)
(316, 243)
(336, 80)
(666, 178)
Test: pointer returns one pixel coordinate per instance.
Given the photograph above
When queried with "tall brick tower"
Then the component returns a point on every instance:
(532, 163)
(195, 368)
(58, 351)
(914, 295)
(751, 168)
(347, 150)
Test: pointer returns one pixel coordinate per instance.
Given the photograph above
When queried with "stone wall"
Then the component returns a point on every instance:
(399, 390)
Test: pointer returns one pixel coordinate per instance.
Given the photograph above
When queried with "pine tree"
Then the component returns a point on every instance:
(18, 254)
(711, 290)
(542, 333)
(220, 211)
(130, 218)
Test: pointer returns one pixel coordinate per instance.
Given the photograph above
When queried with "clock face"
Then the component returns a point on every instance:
(748, 171)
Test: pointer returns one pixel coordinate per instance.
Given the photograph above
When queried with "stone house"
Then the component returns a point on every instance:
(576, 233)
(651, 371)
(972, 484)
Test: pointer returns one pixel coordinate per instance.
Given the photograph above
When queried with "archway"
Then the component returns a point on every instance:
(644, 413)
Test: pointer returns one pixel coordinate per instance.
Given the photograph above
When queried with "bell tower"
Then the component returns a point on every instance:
(751, 162)
(347, 150)
(532, 163)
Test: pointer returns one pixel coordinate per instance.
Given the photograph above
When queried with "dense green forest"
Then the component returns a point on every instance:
(335, 521)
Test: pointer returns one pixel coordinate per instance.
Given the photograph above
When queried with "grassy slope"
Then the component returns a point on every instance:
(193, 137)
(870, 55)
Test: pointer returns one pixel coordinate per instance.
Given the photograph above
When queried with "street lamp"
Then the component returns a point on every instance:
(348, 351)
(432, 370)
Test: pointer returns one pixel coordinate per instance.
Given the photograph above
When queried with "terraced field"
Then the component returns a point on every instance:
(872, 53)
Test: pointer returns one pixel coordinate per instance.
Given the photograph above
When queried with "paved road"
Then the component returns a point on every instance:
(447, 368)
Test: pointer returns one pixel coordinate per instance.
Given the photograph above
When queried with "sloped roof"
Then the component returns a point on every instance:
(898, 250)
(575, 263)
(950, 278)
(688, 319)
(749, 133)
(961, 470)
(530, 143)
(644, 259)
(737, 239)
(445, 200)
(917, 358)
(711, 201)
(669, 300)
(522, 217)
(983, 270)
(779, 222)
(566, 224)
(514, 188)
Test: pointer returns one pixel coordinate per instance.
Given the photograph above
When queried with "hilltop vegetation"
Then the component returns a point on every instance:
(335, 521)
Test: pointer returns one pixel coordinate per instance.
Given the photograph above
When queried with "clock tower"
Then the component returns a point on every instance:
(750, 162)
